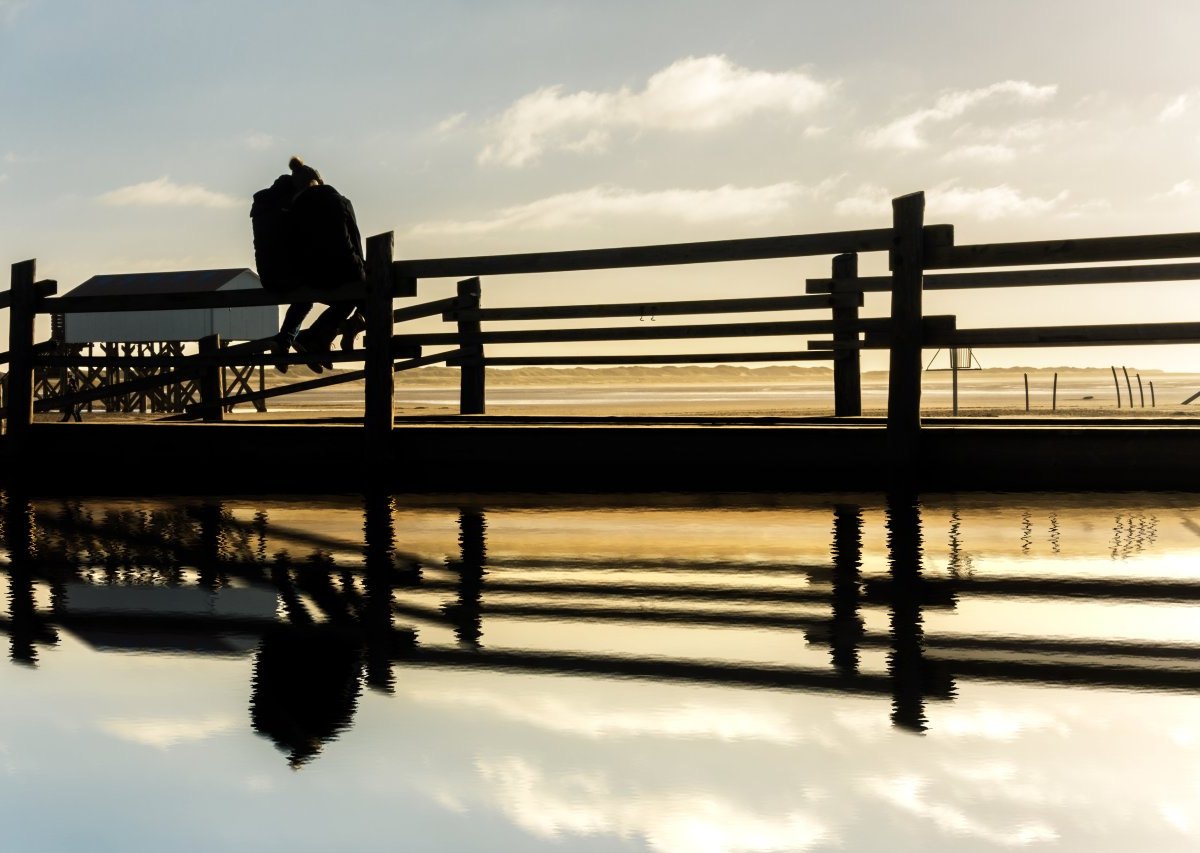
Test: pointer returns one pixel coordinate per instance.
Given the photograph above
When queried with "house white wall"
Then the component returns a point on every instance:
(232, 324)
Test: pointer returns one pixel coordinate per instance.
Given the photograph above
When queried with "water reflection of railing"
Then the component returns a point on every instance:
(199, 578)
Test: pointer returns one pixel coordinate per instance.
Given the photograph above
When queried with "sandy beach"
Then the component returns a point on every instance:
(761, 392)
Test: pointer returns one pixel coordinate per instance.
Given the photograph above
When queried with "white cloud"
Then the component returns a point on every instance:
(163, 192)
(985, 203)
(904, 133)
(9, 9)
(450, 123)
(582, 206)
(585, 805)
(3, 177)
(1175, 108)
(692, 94)
(908, 794)
(259, 141)
(981, 153)
(584, 718)
(1183, 189)
(165, 733)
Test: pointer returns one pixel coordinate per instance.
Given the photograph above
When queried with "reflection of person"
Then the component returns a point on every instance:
(306, 687)
(306, 235)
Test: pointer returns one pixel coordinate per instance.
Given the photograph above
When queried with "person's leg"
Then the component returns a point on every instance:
(353, 325)
(288, 329)
(317, 339)
(293, 318)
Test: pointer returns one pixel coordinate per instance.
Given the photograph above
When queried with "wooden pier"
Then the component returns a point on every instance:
(475, 451)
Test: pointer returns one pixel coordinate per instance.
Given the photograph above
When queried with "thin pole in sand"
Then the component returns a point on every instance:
(1141, 394)
(1117, 383)
(1027, 392)
(1054, 395)
(1152, 394)
(1128, 386)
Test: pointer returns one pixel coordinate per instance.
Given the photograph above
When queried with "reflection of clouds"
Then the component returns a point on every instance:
(908, 794)
(580, 804)
(580, 717)
(162, 733)
(1177, 817)
(994, 723)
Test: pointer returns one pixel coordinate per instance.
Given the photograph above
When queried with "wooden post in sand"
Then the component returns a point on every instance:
(471, 393)
(19, 397)
(847, 368)
(210, 381)
(904, 363)
(378, 407)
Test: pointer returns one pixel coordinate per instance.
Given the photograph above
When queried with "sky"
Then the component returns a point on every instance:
(134, 134)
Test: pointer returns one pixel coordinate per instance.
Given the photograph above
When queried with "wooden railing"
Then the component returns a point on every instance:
(472, 342)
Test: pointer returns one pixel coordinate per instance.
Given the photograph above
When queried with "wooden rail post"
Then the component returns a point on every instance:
(379, 406)
(21, 317)
(904, 364)
(471, 394)
(210, 381)
(847, 362)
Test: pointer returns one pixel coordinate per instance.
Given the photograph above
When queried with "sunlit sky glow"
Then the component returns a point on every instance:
(134, 134)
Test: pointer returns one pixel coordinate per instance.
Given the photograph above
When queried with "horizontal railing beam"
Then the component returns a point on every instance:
(661, 309)
(1020, 278)
(661, 333)
(1053, 336)
(41, 289)
(716, 251)
(38, 349)
(710, 358)
(1145, 247)
(425, 309)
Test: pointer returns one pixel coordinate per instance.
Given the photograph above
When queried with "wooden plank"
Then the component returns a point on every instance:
(659, 309)
(1028, 278)
(41, 289)
(904, 361)
(426, 309)
(210, 382)
(847, 368)
(44, 348)
(379, 393)
(716, 251)
(644, 333)
(18, 395)
(1069, 336)
(471, 391)
(709, 358)
(1144, 247)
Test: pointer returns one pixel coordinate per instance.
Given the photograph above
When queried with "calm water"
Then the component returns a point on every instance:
(673, 674)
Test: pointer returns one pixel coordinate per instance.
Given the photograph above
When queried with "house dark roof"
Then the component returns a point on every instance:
(183, 281)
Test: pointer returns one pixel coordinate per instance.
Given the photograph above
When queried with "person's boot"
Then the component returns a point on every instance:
(307, 341)
(350, 329)
(280, 344)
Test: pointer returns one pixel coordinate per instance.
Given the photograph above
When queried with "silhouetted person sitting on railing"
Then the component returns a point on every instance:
(306, 235)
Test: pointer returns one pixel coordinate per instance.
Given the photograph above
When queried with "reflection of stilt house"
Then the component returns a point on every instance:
(156, 333)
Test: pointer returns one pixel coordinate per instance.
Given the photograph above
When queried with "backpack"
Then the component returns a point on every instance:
(275, 253)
